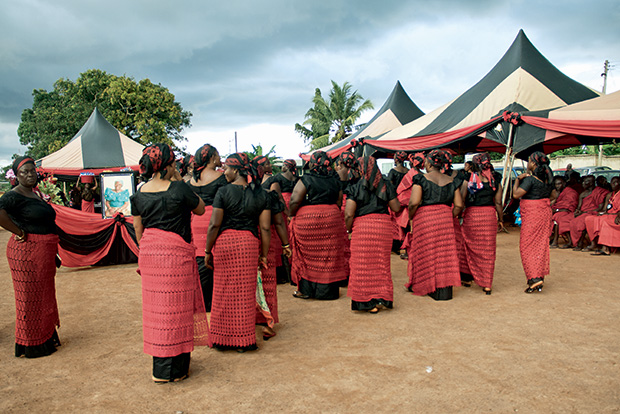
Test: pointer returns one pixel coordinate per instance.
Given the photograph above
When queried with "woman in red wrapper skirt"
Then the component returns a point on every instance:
(483, 214)
(318, 232)
(435, 199)
(31, 254)
(534, 188)
(235, 250)
(173, 313)
(205, 182)
(368, 221)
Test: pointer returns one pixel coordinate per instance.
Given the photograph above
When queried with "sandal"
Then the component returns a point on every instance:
(599, 253)
(487, 290)
(374, 310)
(300, 295)
(535, 287)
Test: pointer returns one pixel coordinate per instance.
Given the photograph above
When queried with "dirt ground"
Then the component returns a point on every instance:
(556, 351)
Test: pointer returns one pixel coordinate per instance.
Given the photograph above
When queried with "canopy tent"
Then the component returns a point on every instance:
(97, 147)
(397, 110)
(523, 80)
(584, 123)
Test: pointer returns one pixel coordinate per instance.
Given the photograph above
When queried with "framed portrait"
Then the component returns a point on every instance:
(116, 188)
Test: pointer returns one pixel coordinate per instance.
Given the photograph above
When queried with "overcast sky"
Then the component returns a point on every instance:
(252, 66)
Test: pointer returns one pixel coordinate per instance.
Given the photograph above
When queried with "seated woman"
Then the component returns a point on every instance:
(368, 221)
(433, 262)
(608, 216)
(173, 314)
(318, 232)
(234, 250)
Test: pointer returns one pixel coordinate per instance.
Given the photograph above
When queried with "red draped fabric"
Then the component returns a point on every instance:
(200, 225)
(534, 239)
(33, 269)
(594, 224)
(173, 310)
(81, 223)
(568, 199)
(433, 260)
(589, 205)
(318, 233)
(235, 266)
(404, 194)
(479, 231)
(599, 128)
(371, 276)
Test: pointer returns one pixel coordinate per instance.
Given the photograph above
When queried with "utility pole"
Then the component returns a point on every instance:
(604, 75)
(236, 142)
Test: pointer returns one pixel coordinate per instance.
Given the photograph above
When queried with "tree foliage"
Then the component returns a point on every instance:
(143, 111)
(332, 119)
(258, 150)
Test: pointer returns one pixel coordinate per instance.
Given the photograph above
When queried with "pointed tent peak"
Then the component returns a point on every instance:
(401, 105)
(96, 123)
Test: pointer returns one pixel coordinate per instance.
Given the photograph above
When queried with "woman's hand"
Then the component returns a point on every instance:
(286, 250)
(262, 263)
(522, 176)
(21, 238)
(209, 260)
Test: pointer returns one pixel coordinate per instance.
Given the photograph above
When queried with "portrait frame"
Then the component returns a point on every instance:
(110, 198)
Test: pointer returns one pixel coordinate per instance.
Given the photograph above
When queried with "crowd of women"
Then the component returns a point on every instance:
(213, 243)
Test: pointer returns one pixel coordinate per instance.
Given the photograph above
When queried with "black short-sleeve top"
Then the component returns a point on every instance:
(286, 185)
(31, 214)
(395, 177)
(433, 193)
(321, 189)
(535, 189)
(369, 203)
(207, 192)
(485, 196)
(242, 207)
(169, 210)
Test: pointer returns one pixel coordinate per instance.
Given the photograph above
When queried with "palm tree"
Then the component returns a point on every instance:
(333, 119)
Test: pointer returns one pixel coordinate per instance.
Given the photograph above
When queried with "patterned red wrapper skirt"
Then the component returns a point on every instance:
(33, 269)
(371, 275)
(479, 231)
(317, 242)
(270, 282)
(235, 266)
(88, 206)
(534, 239)
(434, 259)
(200, 225)
(460, 246)
(173, 310)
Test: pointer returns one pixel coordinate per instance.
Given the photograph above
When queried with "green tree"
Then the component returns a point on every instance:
(258, 150)
(332, 119)
(141, 110)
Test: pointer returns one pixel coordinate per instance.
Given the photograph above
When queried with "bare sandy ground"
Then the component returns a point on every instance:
(553, 352)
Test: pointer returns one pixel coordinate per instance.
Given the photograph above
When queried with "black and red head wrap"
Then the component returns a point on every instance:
(320, 163)
(417, 160)
(371, 177)
(483, 164)
(201, 158)
(155, 158)
(542, 170)
(348, 159)
(400, 157)
(20, 162)
(291, 165)
(440, 159)
(258, 167)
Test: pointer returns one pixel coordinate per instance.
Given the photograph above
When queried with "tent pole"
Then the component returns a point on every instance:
(508, 159)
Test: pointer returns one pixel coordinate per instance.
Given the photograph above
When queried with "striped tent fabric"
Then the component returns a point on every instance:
(523, 80)
(96, 147)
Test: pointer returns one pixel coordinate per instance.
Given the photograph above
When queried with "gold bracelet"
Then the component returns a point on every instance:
(20, 238)
(285, 246)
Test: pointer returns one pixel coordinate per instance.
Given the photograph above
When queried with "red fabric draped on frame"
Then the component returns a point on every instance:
(434, 260)
(235, 267)
(371, 276)
(534, 239)
(596, 128)
(200, 225)
(80, 223)
(317, 242)
(479, 236)
(173, 311)
(33, 270)
(270, 283)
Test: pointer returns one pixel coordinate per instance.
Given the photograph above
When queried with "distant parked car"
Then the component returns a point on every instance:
(590, 170)
(609, 174)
